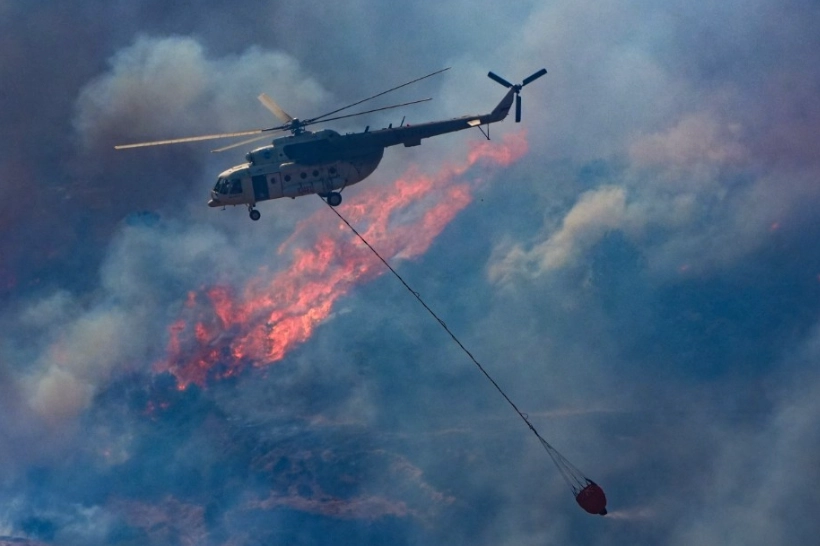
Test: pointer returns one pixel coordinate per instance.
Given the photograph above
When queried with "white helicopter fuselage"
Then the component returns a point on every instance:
(325, 161)
(313, 165)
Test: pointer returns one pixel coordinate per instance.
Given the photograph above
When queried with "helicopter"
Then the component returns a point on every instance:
(326, 162)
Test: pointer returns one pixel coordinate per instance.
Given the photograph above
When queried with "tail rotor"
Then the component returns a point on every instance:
(517, 88)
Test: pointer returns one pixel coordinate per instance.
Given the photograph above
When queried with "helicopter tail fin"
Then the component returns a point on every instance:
(503, 108)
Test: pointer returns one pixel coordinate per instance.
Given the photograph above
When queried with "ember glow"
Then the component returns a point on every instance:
(224, 329)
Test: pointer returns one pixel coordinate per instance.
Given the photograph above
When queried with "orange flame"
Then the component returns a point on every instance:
(272, 315)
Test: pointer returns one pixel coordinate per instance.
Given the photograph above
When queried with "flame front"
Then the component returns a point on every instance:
(276, 312)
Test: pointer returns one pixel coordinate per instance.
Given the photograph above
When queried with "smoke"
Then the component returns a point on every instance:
(654, 252)
(165, 87)
(595, 213)
(694, 196)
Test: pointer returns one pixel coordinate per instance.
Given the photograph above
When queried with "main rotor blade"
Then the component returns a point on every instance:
(499, 79)
(534, 77)
(190, 139)
(238, 144)
(317, 118)
(518, 108)
(271, 105)
(312, 122)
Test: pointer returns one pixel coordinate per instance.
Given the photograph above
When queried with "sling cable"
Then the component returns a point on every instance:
(588, 494)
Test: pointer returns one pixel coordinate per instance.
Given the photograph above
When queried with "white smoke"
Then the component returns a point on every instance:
(160, 88)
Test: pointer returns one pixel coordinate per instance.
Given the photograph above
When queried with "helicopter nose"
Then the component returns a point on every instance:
(214, 202)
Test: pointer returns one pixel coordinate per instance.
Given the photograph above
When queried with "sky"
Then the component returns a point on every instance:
(635, 264)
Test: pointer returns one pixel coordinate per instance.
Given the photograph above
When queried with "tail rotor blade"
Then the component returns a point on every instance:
(534, 77)
(518, 108)
(499, 79)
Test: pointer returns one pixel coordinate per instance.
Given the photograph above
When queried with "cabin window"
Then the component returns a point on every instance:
(236, 186)
(332, 170)
(287, 178)
(303, 175)
(315, 173)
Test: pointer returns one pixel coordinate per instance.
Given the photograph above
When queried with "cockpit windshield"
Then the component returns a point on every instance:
(226, 186)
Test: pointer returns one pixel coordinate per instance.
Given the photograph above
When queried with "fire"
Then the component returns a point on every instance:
(276, 312)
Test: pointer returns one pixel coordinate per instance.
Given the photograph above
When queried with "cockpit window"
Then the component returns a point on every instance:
(225, 186)
(221, 186)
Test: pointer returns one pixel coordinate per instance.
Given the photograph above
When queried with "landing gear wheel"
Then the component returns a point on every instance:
(255, 215)
(334, 199)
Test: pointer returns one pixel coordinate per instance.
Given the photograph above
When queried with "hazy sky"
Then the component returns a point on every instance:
(636, 264)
